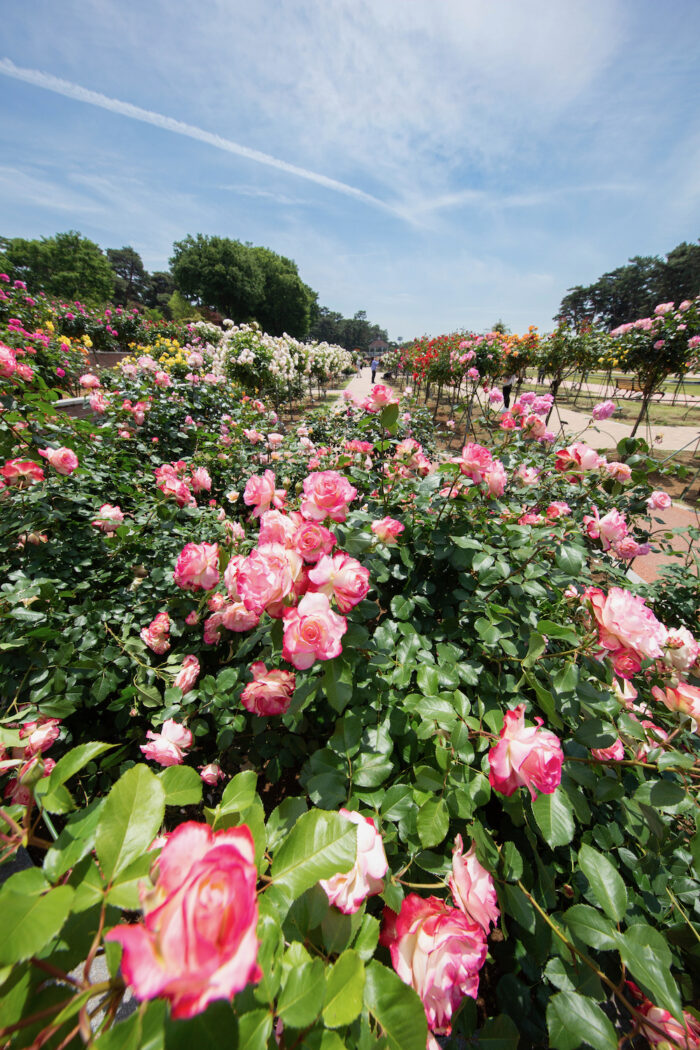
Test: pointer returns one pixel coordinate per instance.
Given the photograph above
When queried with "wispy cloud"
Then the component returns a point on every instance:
(94, 98)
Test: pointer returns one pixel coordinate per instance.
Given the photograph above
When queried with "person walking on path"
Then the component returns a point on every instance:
(374, 365)
(507, 387)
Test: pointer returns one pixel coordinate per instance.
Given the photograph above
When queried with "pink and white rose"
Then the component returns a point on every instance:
(168, 747)
(270, 692)
(188, 674)
(197, 567)
(387, 530)
(327, 494)
(312, 631)
(156, 635)
(525, 756)
(347, 891)
(63, 460)
(197, 942)
(472, 886)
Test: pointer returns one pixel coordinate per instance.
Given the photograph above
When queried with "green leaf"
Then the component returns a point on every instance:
(499, 1033)
(570, 559)
(606, 883)
(336, 684)
(591, 927)
(75, 841)
(389, 415)
(30, 922)
(433, 822)
(215, 1029)
(344, 990)
(254, 1030)
(573, 1019)
(645, 954)
(554, 818)
(182, 786)
(239, 792)
(303, 994)
(319, 845)
(396, 1007)
(427, 678)
(130, 819)
(71, 763)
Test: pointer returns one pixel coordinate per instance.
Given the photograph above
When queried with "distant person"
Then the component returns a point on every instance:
(507, 387)
(374, 365)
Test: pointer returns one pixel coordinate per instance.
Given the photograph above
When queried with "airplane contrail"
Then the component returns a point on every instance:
(159, 120)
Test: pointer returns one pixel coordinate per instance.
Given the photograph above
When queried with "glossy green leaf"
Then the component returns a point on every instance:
(574, 1020)
(554, 818)
(433, 822)
(396, 1008)
(344, 990)
(182, 786)
(303, 994)
(319, 845)
(606, 883)
(130, 819)
(30, 922)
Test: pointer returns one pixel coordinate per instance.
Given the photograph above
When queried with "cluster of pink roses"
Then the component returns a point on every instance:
(439, 950)
(478, 465)
(629, 634)
(179, 481)
(11, 368)
(292, 572)
(613, 532)
(27, 761)
(529, 414)
(525, 756)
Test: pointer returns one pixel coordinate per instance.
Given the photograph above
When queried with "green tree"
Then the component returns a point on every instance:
(130, 277)
(159, 290)
(243, 282)
(67, 266)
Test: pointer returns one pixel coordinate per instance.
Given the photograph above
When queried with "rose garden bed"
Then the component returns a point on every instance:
(323, 740)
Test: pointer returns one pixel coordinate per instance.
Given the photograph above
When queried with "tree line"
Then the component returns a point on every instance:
(211, 277)
(634, 290)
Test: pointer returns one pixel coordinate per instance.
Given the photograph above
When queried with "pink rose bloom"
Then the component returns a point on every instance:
(89, 381)
(211, 773)
(528, 757)
(438, 952)
(577, 458)
(681, 650)
(609, 529)
(212, 628)
(684, 1036)
(231, 574)
(527, 475)
(274, 440)
(169, 746)
(254, 436)
(387, 530)
(379, 397)
(347, 891)
(495, 397)
(312, 631)
(626, 663)
(278, 527)
(266, 576)
(200, 480)
(472, 887)
(63, 460)
(614, 753)
(195, 360)
(326, 495)
(39, 736)
(312, 540)
(260, 493)
(624, 621)
(162, 379)
(496, 479)
(533, 427)
(473, 373)
(155, 636)
(237, 618)
(531, 518)
(197, 567)
(684, 698)
(659, 500)
(557, 509)
(604, 410)
(270, 692)
(628, 548)
(109, 518)
(188, 674)
(197, 942)
(474, 462)
(340, 577)
(507, 421)
(97, 402)
(619, 471)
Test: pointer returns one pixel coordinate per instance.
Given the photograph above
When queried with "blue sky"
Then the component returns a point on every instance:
(438, 163)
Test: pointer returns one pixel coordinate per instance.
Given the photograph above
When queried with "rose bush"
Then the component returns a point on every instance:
(437, 657)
